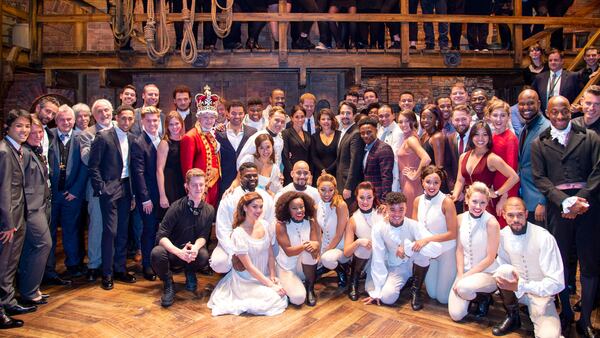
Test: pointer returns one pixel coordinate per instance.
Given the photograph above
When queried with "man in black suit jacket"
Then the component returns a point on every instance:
(349, 153)
(144, 183)
(12, 213)
(182, 99)
(556, 81)
(566, 168)
(68, 177)
(232, 140)
(109, 174)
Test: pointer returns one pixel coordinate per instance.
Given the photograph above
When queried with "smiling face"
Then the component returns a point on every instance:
(19, 130)
(102, 113)
(428, 121)
(528, 104)
(478, 102)
(555, 62)
(300, 173)
(82, 121)
(298, 119)
(277, 98)
(365, 198)
(445, 106)
(35, 136)
(591, 108)
(65, 121)
(175, 127)
(431, 184)
(297, 209)
(150, 96)
(195, 187)
(369, 97)
(125, 120)
(207, 121)
(254, 210)
(46, 113)
(309, 106)
(325, 122)
(558, 112)
(461, 120)
(407, 102)
(477, 203)
(405, 124)
(591, 57)
(458, 95)
(499, 119)
(265, 150)
(128, 97)
(150, 123)
(385, 116)
(326, 191)
(236, 116)
(182, 101)
(277, 122)
(481, 138)
(347, 115)
(255, 112)
(515, 215)
(396, 213)
(249, 179)
(368, 133)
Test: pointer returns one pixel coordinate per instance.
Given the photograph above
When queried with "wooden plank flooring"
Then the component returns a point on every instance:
(133, 310)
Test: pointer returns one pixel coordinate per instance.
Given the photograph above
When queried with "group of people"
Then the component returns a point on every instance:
(469, 196)
(370, 34)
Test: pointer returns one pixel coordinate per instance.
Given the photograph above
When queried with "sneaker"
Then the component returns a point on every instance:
(304, 43)
(485, 50)
(321, 46)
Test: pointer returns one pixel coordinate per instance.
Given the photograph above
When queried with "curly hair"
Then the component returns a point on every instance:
(240, 215)
(282, 207)
(392, 198)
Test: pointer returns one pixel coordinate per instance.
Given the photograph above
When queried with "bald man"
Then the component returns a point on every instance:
(535, 123)
(530, 272)
(300, 177)
(566, 170)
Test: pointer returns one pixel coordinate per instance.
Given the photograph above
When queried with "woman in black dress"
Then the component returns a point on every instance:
(168, 164)
(433, 139)
(323, 147)
(296, 143)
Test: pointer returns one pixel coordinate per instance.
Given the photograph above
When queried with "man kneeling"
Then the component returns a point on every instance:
(181, 237)
(530, 272)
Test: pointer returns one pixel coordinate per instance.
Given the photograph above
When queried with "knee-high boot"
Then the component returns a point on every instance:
(310, 275)
(357, 266)
(512, 321)
(416, 300)
(342, 273)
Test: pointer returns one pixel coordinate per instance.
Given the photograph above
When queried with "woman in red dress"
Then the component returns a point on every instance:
(480, 164)
(506, 145)
(200, 149)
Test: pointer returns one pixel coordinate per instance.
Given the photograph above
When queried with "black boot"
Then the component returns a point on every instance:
(357, 266)
(310, 275)
(191, 281)
(342, 273)
(416, 300)
(484, 300)
(512, 321)
(168, 296)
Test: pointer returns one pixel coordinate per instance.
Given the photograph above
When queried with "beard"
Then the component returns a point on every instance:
(519, 232)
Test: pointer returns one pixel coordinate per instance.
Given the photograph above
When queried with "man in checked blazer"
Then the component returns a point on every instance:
(378, 161)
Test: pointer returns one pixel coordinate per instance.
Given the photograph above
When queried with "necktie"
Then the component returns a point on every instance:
(384, 135)
(63, 138)
(20, 151)
(461, 145)
(308, 129)
(522, 139)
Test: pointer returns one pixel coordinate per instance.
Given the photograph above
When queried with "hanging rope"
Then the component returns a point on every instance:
(189, 49)
(226, 11)
(122, 22)
(156, 49)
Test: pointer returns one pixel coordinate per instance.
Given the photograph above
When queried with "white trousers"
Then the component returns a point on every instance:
(396, 278)
(292, 284)
(220, 260)
(362, 252)
(467, 288)
(330, 258)
(440, 276)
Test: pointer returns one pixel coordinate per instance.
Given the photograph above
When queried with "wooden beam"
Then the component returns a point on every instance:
(60, 79)
(594, 80)
(404, 36)
(302, 77)
(357, 75)
(14, 12)
(345, 17)
(35, 37)
(80, 33)
(591, 41)
(532, 40)
(282, 35)
(518, 33)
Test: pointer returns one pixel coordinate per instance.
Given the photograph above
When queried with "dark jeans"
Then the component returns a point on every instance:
(163, 262)
(456, 7)
(373, 30)
(439, 7)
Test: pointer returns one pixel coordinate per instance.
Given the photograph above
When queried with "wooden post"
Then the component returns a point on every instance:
(80, 33)
(35, 32)
(404, 39)
(282, 33)
(518, 34)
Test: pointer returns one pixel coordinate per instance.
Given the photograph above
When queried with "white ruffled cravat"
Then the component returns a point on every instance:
(560, 135)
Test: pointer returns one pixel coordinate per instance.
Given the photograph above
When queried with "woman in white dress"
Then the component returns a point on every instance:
(357, 240)
(476, 248)
(269, 175)
(435, 210)
(332, 216)
(256, 289)
(299, 239)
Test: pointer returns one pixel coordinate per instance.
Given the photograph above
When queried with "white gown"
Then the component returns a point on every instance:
(239, 292)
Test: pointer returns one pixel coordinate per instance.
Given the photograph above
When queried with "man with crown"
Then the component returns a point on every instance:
(200, 149)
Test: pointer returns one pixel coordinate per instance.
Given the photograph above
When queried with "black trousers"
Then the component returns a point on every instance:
(115, 221)
(307, 6)
(163, 262)
(373, 30)
(456, 7)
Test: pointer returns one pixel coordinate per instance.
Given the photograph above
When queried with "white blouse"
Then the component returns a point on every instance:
(432, 217)
(473, 237)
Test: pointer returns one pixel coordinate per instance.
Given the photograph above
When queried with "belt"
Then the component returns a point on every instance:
(569, 186)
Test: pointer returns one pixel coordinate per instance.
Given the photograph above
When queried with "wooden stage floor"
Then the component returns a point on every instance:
(133, 310)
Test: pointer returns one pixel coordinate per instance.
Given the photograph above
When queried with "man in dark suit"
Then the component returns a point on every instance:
(457, 143)
(144, 183)
(150, 97)
(68, 176)
(378, 161)
(556, 81)
(566, 168)
(102, 110)
(349, 153)
(182, 99)
(45, 111)
(232, 140)
(38, 241)
(12, 213)
(128, 95)
(109, 172)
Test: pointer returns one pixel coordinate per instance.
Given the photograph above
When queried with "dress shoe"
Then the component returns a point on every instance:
(395, 45)
(56, 281)
(233, 45)
(584, 330)
(429, 47)
(19, 309)
(45, 295)
(361, 45)
(31, 302)
(125, 277)
(107, 282)
(8, 323)
(74, 271)
(92, 275)
(149, 274)
(565, 326)
(303, 43)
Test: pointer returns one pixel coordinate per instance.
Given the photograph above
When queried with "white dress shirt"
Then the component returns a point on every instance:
(310, 120)
(234, 138)
(124, 144)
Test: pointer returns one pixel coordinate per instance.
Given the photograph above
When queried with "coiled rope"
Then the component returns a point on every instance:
(227, 12)
(189, 49)
(122, 22)
(156, 49)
